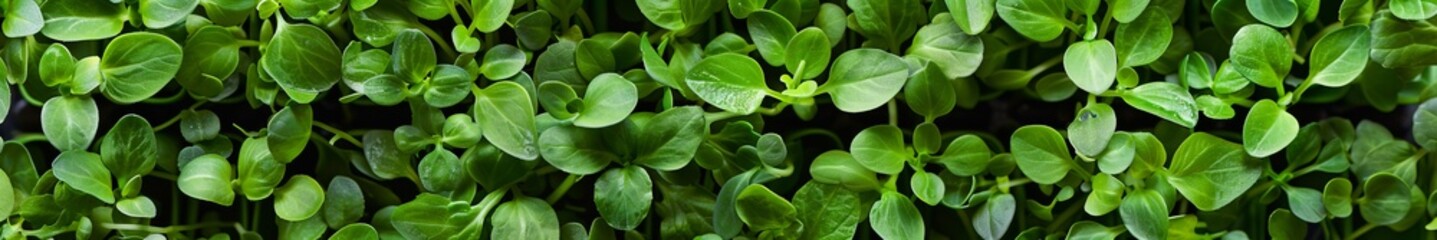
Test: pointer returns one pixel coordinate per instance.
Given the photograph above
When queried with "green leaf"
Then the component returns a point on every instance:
(140, 207)
(575, 150)
(1211, 172)
(85, 172)
(503, 61)
(1126, 11)
(607, 101)
(807, 51)
(449, 85)
(525, 217)
(492, 168)
(1145, 213)
(413, 56)
(1267, 129)
(623, 196)
(1166, 100)
(731, 82)
(129, 148)
(57, 65)
(22, 18)
(383, 156)
(929, 93)
(289, 131)
(927, 187)
(461, 131)
(1040, 20)
(943, 42)
(771, 33)
(833, 21)
(1340, 56)
(508, 120)
(299, 199)
(1398, 43)
(1282, 225)
(762, 209)
(886, 23)
(343, 203)
(593, 57)
(671, 139)
(1415, 10)
(198, 126)
(992, 221)
(1119, 154)
(1261, 54)
(1385, 200)
(1278, 13)
(259, 173)
(828, 212)
(895, 217)
(1424, 125)
(80, 20)
(1107, 195)
(971, 15)
(164, 13)
(359, 65)
(379, 24)
(839, 168)
(137, 65)
(356, 231)
(864, 79)
(1144, 40)
(303, 60)
(1089, 230)
(70, 122)
(441, 171)
(1092, 65)
(881, 149)
(1306, 203)
(489, 15)
(7, 198)
(1337, 197)
(966, 155)
(1092, 128)
(424, 218)
(1041, 154)
(1197, 70)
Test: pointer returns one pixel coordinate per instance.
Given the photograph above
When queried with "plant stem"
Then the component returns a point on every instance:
(339, 133)
(1363, 230)
(893, 112)
(562, 189)
(166, 229)
(164, 175)
(177, 117)
(29, 137)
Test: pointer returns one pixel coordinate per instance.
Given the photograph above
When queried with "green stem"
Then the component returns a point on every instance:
(339, 133)
(487, 205)
(177, 117)
(247, 43)
(164, 175)
(439, 39)
(166, 229)
(29, 137)
(1107, 19)
(1061, 221)
(801, 133)
(1363, 230)
(167, 99)
(562, 189)
(893, 112)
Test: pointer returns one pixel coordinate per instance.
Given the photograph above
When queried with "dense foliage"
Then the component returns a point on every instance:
(713, 119)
